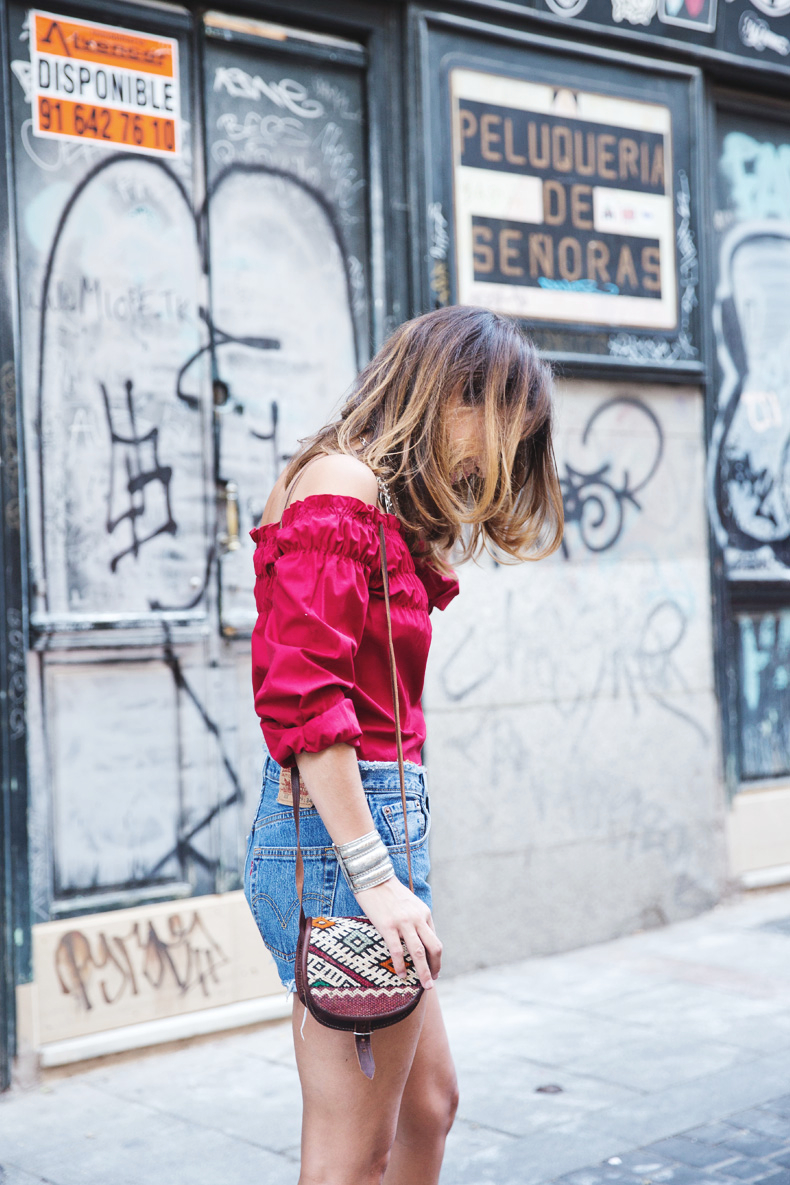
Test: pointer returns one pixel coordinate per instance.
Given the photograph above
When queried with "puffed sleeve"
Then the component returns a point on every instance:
(440, 588)
(310, 636)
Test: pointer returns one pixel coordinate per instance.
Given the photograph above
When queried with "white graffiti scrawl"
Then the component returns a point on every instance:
(749, 458)
(758, 175)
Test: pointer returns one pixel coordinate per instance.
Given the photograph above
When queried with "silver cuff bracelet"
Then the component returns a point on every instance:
(365, 861)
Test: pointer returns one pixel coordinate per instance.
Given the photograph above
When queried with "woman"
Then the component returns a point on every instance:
(450, 425)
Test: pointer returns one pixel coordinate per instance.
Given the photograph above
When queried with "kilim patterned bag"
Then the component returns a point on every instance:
(344, 971)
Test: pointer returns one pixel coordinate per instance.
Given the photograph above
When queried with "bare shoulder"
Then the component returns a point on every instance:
(337, 473)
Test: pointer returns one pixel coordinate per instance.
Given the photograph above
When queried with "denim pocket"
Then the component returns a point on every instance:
(270, 876)
(270, 888)
(388, 816)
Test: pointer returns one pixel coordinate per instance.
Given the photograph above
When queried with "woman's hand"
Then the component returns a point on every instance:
(335, 786)
(397, 914)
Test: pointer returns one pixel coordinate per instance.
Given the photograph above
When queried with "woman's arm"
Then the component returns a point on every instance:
(333, 782)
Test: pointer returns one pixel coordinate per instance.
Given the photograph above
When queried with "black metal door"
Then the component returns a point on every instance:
(286, 132)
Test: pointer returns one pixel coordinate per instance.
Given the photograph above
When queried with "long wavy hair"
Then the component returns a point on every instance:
(399, 404)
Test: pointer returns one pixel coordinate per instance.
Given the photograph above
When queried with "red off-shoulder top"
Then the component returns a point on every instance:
(320, 664)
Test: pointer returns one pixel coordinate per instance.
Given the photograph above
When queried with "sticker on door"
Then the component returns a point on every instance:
(106, 85)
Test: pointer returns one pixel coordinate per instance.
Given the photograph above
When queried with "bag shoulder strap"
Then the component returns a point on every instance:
(395, 697)
(295, 787)
(294, 481)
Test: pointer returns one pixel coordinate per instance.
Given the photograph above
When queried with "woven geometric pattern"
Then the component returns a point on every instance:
(347, 959)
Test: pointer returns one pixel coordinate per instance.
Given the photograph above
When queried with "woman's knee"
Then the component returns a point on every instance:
(430, 1116)
(450, 1103)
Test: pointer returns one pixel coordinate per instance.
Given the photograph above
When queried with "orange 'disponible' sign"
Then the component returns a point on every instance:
(111, 86)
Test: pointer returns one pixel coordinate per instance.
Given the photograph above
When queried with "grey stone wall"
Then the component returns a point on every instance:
(573, 749)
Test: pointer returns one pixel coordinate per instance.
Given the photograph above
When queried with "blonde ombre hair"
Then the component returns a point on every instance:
(399, 404)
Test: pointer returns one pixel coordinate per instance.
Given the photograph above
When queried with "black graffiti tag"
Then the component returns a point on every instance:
(128, 450)
(595, 500)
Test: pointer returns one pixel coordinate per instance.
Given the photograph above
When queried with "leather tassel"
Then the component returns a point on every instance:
(365, 1054)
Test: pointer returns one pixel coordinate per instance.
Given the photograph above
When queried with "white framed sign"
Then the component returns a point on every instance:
(563, 203)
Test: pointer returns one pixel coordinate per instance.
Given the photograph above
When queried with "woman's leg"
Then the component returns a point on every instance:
(349, 1122)
(428, 1105)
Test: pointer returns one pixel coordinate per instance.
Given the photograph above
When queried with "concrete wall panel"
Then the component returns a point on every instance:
(572, 723)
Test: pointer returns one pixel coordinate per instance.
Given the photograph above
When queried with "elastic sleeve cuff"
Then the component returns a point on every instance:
(441, 588)
(338, 725)
(443, 600)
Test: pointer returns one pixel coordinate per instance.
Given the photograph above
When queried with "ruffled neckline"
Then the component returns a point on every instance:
(351, 506)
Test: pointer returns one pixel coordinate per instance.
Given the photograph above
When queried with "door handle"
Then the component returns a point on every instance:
(229, 494)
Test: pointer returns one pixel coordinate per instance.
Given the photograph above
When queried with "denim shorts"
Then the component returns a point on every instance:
(270, 865)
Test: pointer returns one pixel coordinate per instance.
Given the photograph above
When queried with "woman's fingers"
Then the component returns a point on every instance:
(433, 950)
(417, 951)
(393, 941)
(401, 918)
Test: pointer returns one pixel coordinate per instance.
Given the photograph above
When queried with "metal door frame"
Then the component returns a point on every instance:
(15, 920)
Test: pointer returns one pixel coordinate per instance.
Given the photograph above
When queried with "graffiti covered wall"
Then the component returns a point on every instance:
(174, 346)
(749, 454)
(117, 420)
(572, 737)
(749, 475)
(133, 965)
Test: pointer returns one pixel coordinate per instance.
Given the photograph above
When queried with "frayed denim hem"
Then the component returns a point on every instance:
(413, 766)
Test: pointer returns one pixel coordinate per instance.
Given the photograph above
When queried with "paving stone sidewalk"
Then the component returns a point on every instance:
(750, 1146)
(661, 1057)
